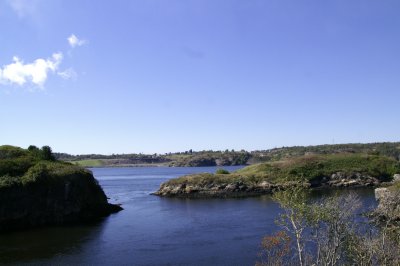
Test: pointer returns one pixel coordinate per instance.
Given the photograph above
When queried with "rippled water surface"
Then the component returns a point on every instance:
(152, 230)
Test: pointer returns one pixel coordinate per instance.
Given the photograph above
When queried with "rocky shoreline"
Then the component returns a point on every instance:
(245, 188)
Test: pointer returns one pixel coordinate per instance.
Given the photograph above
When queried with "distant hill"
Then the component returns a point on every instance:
(228, 157)
(389, 149)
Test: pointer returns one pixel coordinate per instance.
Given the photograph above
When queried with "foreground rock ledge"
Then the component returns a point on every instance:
(73, 198)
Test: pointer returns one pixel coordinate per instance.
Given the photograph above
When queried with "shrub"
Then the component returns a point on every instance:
(11, 152)
(222, 172)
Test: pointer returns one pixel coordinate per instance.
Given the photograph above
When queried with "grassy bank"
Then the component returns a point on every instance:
(89, 163)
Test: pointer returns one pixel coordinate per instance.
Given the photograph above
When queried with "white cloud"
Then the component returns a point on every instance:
(20, 73)
(23, 8)
(74, 41)
(36, 73)
(69, 73)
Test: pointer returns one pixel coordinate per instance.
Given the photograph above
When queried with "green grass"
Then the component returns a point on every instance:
(206, 178)
(310, 167)
(302, 169)
(89, 163)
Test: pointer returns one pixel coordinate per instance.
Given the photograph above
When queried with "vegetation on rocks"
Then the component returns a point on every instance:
(222, 172)
(312, 167)
(36, 189)
(311, 170)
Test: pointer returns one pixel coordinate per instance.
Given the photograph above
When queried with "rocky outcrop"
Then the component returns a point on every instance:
(389, 202)
(389, 205)
(340, 179)
(381, 193)
(220, 190)
(245, 188)
(330, 170)
(73, 198)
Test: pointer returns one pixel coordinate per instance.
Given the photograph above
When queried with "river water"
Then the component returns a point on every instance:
(153, 230)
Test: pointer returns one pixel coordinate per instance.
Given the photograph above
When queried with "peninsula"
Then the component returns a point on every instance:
(314, 171)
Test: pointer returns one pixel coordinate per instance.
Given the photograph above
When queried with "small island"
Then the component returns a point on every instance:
(311, 171)
(38, 190)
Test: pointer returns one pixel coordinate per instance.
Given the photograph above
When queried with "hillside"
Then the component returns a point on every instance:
(228, 157)
(37, 190)
(333, 170)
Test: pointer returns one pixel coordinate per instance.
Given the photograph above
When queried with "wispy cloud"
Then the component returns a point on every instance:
(75, 41)
(23, 8)
(69, 73)
(19, 73)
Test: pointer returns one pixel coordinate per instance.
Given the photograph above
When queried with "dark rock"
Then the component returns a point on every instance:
(73, 199)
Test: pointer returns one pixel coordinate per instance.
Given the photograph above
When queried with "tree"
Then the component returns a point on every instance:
(294, 218)
(331, 232)
(333, 227)
(47, 153)
(35, 151)
(275, 250)
(33, 148)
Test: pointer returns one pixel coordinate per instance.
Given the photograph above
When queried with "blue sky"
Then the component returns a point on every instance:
(157, 76)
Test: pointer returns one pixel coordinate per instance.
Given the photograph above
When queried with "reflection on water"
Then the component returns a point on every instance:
(153, 230)
(46, 243)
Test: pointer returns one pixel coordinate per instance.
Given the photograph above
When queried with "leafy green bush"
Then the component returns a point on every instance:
(22, 167)
(222, 172)
(9, 181)
(51, 172)
(11, 152)
(16, 166)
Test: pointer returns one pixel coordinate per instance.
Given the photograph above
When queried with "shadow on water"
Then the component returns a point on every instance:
(366, 195)
(45, 243)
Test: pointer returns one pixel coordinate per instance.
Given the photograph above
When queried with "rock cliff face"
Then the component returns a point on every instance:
(74, 198)
(38, 190)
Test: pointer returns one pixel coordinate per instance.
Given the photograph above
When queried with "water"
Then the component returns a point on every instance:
(153, 230)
